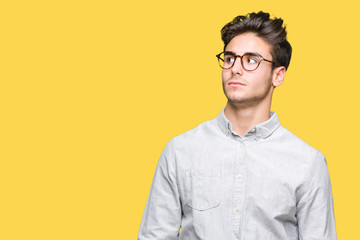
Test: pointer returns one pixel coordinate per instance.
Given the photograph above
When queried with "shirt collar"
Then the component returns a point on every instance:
(262, 130)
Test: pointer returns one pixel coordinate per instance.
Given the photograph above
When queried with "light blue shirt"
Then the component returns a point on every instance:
(216, 185)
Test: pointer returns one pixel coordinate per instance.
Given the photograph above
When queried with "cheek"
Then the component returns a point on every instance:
(260, 84)
(225, 75)
(264, 79)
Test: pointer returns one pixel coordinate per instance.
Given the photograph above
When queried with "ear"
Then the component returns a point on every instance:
(278, 76)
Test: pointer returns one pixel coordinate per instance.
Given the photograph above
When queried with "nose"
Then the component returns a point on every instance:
(237, 67)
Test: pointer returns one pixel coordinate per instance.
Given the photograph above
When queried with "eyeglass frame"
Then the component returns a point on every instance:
(241, 60)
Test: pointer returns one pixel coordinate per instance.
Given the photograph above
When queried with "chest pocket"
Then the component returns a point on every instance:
(203, 189)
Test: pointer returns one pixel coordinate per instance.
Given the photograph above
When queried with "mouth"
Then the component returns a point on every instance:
(234, 83)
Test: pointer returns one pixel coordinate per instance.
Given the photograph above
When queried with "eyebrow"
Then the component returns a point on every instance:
(229, 53)
(251, 53)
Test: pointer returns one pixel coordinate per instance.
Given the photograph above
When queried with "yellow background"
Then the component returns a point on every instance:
(91, 92)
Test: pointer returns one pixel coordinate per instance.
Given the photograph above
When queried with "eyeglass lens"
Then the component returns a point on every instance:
(249, 61)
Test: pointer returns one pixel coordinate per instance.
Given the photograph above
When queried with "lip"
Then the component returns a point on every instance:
(234, 83)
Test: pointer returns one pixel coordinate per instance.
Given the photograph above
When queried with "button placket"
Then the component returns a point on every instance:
(238, 187)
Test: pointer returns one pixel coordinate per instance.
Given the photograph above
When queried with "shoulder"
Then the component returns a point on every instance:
(201, 131)
(292, 142)
(303, 155)
(206, 131)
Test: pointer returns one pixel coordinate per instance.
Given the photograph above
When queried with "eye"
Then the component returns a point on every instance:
(229, 59)
(252, 60)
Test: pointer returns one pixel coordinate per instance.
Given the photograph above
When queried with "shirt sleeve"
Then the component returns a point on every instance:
(315, 209)
(162, 216)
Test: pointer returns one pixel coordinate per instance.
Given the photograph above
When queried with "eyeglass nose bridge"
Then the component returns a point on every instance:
(241, 62)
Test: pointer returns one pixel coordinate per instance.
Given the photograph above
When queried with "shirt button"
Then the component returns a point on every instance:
(259, 135)
(237, 209)
(238, 176)
(253, 130)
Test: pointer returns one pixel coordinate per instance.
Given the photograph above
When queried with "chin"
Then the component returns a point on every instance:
(234, 96)
(237, 101)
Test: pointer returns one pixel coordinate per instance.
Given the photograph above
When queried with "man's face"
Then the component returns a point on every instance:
(248, 87)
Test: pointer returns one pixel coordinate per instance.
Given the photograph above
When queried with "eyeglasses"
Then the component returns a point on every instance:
(249, 61)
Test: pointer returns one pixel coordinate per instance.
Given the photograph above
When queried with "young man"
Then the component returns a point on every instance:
(242, 175)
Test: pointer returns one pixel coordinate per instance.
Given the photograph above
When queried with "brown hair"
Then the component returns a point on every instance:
(271, 30)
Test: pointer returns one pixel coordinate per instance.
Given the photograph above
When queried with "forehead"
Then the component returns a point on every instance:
(249, 42)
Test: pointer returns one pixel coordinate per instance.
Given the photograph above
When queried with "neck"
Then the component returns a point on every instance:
(243, 118)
